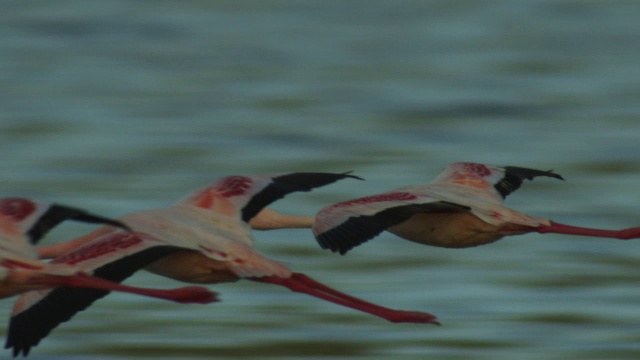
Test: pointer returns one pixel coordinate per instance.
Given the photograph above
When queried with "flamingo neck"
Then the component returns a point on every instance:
(268, 219)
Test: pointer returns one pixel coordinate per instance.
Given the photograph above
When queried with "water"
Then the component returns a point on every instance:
(118, 106)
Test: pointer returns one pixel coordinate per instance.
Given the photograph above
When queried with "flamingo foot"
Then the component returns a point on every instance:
(415, 317)
(188, 294)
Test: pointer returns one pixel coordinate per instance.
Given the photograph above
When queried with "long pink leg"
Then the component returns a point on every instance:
(188, 294)
(557, 228)
(303, 284)
(326, 289)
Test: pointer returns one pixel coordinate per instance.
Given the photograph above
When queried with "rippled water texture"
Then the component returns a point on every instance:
(118, 106)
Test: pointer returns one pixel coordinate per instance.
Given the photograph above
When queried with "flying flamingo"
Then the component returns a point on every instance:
(212, 222)
(24, 222)
(461, 208)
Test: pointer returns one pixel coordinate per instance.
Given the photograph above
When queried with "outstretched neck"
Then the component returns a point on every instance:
(268, 219)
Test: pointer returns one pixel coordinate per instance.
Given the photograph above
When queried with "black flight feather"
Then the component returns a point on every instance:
(286, 184)
(514, 176)
(59, 213)
(61, 304)
(359, 229)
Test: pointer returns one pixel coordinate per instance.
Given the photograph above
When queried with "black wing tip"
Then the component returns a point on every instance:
(285, 184)
(550, 173)
(347, 174)
(359, 229)
(21, 351)
(88, 217)
(515, 175)
(326, 244)
(530, 174)
(322, 178)
(306, 181)
(20, 345)
(57, 213)
(28, 328)
(336, 241)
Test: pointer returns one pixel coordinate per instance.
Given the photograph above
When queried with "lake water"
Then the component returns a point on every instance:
(118, 106)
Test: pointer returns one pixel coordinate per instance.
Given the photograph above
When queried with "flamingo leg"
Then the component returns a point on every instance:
(557, 228)
(188, 294)
(303, 284)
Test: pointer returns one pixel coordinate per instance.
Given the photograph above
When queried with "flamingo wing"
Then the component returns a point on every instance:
(55, 214)
(36, 219)
(495, 180)
(249, 195)
(345, 225)
(514, 176)
(114, 257)
(461, 186)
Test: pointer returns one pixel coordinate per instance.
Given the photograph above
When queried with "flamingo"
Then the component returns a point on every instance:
(212, 224)
(461, 208)
(23, 222)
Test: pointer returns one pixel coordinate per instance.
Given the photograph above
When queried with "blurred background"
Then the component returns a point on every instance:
(117, 106)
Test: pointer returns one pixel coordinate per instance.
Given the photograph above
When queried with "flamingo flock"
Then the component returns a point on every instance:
(206, 238)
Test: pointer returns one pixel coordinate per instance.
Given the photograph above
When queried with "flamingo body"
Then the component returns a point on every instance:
(23, 222)
(462, 207)
(214, 222)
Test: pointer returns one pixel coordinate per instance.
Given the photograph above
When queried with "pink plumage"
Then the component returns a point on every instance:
(461, 207)
(212, 222)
